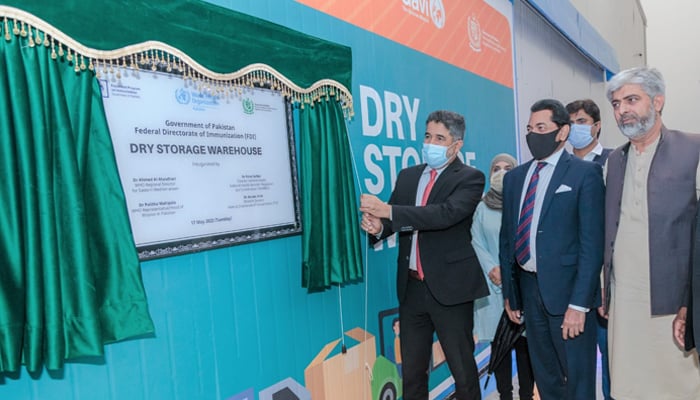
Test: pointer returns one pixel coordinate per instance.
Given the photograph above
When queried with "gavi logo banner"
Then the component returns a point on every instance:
(479, 35)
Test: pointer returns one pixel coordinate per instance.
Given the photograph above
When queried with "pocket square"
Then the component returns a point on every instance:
(563, 188)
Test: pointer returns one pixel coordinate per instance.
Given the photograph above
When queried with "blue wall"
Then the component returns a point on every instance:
(234, 321)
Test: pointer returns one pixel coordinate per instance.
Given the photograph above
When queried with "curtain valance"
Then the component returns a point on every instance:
(154, 55)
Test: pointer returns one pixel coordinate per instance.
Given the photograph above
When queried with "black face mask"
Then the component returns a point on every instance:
(542, 145)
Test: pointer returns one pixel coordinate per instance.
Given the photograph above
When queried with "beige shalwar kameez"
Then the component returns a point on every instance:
(645, 362)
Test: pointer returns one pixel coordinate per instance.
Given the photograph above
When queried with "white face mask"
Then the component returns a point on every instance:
(496, 180)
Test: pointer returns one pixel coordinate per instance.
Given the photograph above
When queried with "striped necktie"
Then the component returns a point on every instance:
(522, 235)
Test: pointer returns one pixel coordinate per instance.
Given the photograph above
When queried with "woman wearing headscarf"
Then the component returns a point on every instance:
(488, 310)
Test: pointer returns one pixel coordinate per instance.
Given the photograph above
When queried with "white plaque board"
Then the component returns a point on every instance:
(199, 170)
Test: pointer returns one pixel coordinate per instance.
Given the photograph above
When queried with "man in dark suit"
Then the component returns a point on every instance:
(438, 275)
(584, 116)
(551, 253)
(686, 324)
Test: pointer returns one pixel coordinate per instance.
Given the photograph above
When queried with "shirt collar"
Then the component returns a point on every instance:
(553, 159)
(428, 168)
(597, 150)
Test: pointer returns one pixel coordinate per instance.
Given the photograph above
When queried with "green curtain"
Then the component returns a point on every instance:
(225, 41)
(218, 38)
(330, 240)
(70, 279)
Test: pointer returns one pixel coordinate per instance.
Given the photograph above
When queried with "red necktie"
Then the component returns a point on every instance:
(424, 201)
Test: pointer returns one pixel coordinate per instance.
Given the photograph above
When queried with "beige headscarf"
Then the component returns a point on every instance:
(494, 198)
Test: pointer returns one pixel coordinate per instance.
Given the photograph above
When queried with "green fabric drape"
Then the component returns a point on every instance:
(224, 41)
(330, 240)
(70, 279)
(218, 38)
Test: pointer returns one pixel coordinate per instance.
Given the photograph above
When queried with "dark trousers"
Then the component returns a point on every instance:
(604, 362)
(504, 373)
(563, 369)
(420, 316)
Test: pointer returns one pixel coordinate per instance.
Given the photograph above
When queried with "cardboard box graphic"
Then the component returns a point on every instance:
(343, 376)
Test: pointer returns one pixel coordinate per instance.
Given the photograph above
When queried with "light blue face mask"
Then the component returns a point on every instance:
(435, 155)
(580, 136)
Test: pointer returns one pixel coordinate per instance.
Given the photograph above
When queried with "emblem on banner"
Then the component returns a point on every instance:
(182, 96)
(248, 105)
(474, 33)
(437, 13)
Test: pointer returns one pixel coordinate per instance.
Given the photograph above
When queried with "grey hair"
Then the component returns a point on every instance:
(453, 121)
(650, 79)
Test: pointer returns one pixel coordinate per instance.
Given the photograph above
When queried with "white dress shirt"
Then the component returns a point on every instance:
(597, 150)
(542, 184)
(422, 184)
(545, 177)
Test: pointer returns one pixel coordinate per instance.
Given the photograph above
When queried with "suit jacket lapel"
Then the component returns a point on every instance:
(559, 172)
(415, 180)
(518, 187)
(442, 178)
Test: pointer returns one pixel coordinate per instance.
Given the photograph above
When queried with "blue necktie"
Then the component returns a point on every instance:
(522, 235)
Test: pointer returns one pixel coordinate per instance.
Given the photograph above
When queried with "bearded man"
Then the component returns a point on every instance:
(650, 203)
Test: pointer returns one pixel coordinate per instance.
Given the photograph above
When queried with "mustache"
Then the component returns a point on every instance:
(629, 115)
(631, 118)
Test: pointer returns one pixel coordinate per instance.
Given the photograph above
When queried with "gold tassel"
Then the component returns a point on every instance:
(31, 38)
(159, 59)
(53, 49)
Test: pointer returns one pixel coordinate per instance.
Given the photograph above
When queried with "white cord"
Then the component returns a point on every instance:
(369, 369)
(342, 328)
(365, 266)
